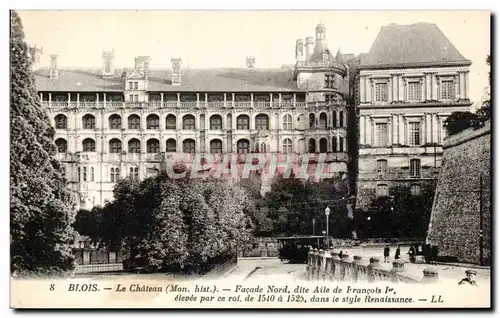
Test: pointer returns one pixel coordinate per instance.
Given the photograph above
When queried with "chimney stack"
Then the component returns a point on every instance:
(176, 71)
(53, 70)
(299, 50)
(250, 61)
(142, 64)
(34, 54)
(309, 47)
(108, 61)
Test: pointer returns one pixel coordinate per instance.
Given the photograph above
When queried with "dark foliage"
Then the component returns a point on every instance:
(292, 204)
(41, 207)
(164, 223)
(400, 215)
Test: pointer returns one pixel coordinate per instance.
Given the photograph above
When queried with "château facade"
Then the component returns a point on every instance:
(115, 123)
(411, 80)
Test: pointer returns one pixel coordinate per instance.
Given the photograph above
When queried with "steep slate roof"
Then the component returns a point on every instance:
(207, 80)
(415, 45)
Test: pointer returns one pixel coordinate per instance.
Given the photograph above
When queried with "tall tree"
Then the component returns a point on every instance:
(41, 207)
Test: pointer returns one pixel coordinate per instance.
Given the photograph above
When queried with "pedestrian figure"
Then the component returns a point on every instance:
(411, 253)
(387, 251)
(398, 252)
(340, 254)
(469, 279)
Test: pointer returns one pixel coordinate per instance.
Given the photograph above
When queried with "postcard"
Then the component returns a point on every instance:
(250, 159)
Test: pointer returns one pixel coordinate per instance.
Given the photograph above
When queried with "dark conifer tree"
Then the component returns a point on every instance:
(41, 207)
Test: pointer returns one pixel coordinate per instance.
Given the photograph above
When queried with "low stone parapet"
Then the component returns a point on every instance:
(328, 266)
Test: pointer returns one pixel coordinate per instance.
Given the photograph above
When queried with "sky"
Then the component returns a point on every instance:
(207, 39)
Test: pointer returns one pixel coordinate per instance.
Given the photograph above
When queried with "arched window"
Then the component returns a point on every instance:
(115, 122)
(287, 146)
(262, 122)
(415, 189)
(134, 146)
(323, 145)
(134, 122)
(189, 146)
(287, 122)
(312, 121)
(215, 146)
(382, 190)
(171, 145)
(215, 122)
(88, 145)
(312, 145)
(243, 146)
(243, 122)
(334, 144)
(171, 122)
(61, 121)
(322, 120)
(134, 173)
(188, 122)
(115, 146)
(115, 174)
(62, 145)
(341, 144)
(88, 122)
(341, 118)
(153, 122)
(153, 145)
(334, 118)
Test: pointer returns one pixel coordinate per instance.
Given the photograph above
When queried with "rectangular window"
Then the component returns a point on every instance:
(329, 81)
(414, 134)
(131, 98)
(447, 90)
(414, 91)
(415, 168)
(136, 98)
(130, 85)
(382, 166)
(381, 92)
(382, 135)
(136, 85)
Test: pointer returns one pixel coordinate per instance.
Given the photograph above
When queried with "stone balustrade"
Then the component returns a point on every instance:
(328, 266)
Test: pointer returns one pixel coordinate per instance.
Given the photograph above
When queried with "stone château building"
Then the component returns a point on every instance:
(411, 80)
(114, 123)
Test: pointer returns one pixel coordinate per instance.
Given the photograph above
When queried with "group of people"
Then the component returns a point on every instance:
(387, 253)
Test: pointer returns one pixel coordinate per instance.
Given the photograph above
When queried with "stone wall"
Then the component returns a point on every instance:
(330, 266)
(455, 221)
